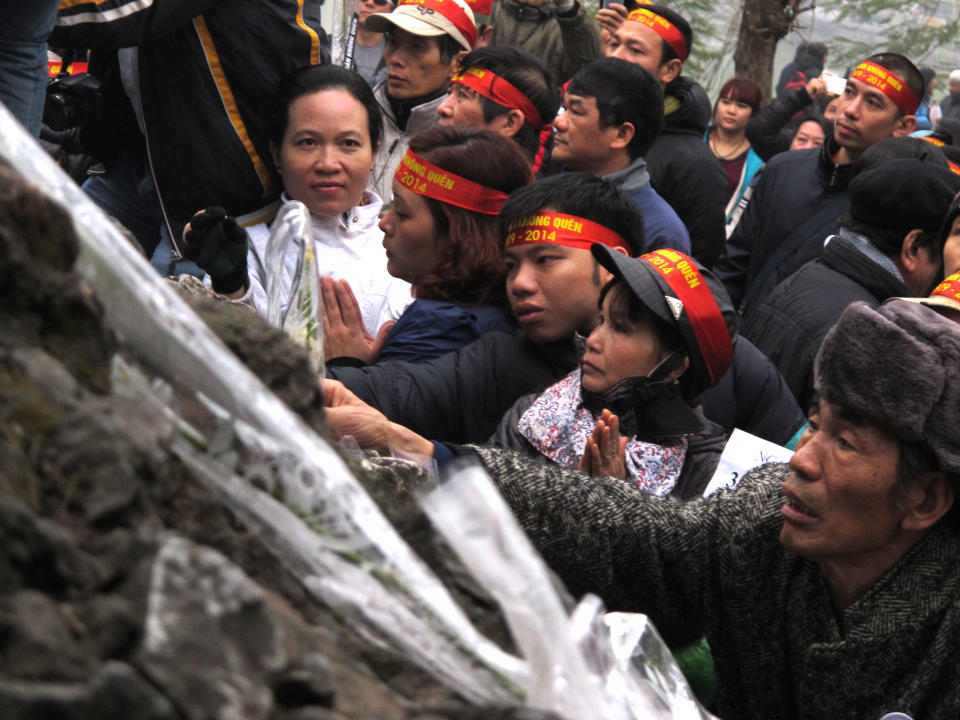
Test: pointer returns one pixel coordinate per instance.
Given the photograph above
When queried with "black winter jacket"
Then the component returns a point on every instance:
(461, 396)
(686, 174)
(792, 321)
(796, 188)
(205, 69)
(766, 130)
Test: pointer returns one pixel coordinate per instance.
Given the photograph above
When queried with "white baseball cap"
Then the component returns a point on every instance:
(429, 18)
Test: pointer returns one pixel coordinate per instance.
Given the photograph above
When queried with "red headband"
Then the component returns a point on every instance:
(701, 307)
(493, 87)
(949, 288)
(561, 229)
(425, 178)
(664, 28)
(452, 12)
(889, 84)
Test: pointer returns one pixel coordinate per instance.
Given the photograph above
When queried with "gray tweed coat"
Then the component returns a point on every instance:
(781, 650)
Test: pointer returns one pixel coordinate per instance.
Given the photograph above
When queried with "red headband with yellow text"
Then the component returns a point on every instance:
(425, 178)
(889, 84)
(664, 28)
(452, 12)
(949, 288)
(493, 87)
(709, 327)
(561, 229)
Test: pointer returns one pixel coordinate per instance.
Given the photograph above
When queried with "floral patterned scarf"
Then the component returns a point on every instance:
(558, 425)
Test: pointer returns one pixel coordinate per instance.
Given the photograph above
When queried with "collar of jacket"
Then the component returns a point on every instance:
(833, 178)
(561, 354)
(853, 255)
(633, 177)
(687, 108)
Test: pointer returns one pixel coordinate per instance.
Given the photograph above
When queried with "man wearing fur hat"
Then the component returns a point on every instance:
(889, 247)
(829, 587)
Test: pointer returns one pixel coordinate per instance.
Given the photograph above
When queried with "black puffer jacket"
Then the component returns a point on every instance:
(795, 188)
(461, 396)
(684, 171)
(792, 321)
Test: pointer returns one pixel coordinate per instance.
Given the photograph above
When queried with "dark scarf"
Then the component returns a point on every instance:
(647, 408)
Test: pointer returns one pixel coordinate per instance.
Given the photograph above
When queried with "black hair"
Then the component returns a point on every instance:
(679, 22)
(627, 306)
(901, 66)
(528, 74)
(316, 78)
(816, 50)
(794, 125)
(586, 196)
(928, 76)
(624, 92)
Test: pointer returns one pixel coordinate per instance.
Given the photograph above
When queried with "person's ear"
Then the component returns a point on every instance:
(625, 133)
(929, 497)
(621, 249)
(911, 249)
(511, 122)
(667, 72)
(676, 373)
(904, 126)
(484, 36)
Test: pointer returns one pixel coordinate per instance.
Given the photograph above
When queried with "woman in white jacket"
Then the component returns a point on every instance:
(325, 130)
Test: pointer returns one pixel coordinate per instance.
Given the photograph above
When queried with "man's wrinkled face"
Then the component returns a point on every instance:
(415, 66)
(840, 503)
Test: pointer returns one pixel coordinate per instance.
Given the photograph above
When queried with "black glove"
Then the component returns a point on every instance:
(219, 246)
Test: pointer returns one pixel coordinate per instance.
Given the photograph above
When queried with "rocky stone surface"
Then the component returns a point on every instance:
(128, 588)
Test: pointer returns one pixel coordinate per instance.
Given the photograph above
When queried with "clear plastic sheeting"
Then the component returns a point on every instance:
(292, 490)
(581, 665)
(295, 310)
(324, 508)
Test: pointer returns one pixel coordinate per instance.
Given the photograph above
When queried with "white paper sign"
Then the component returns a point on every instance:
(742, 453)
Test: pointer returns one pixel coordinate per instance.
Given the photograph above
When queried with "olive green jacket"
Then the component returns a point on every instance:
(563, 43)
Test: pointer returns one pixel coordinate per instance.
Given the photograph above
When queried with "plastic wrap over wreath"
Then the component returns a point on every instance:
(581, 665)
(316, 517)
(294, 309)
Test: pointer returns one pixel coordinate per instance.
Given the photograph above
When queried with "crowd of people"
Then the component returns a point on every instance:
(543, 248)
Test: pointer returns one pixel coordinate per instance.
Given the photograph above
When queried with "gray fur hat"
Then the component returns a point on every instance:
(898, 366)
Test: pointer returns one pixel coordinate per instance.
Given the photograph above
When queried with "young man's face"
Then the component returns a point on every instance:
(840, 505)
(580, 142)
(638, 44)
(866, 116)
(414, 65)
(553, 290)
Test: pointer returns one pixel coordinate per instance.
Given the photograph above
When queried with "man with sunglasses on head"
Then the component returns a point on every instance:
(424, 39)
